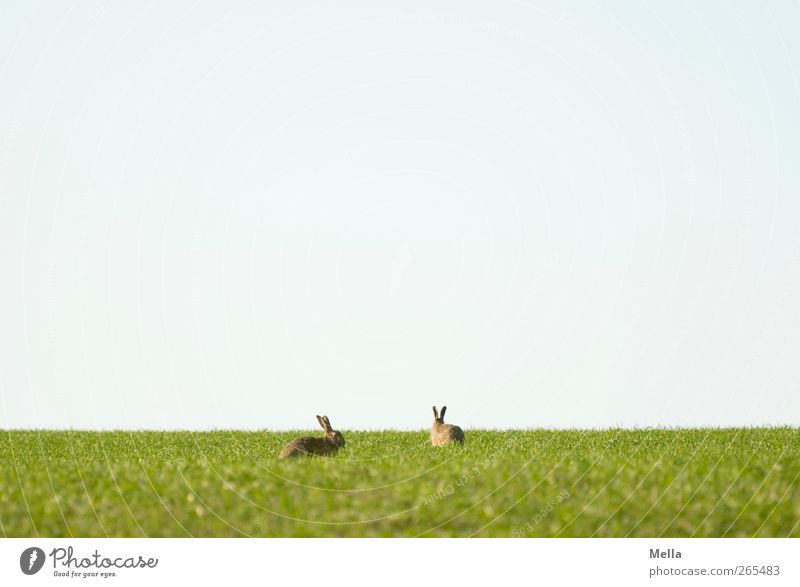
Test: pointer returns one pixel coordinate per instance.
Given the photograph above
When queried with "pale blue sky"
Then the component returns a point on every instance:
(541, 214)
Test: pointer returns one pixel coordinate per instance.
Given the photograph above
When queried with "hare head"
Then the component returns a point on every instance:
(438, 417)
(331, 435)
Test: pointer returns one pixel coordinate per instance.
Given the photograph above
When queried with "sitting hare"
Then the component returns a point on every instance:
(442, 433)
(328, 444)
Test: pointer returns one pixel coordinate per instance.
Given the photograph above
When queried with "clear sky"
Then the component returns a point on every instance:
(540, 214)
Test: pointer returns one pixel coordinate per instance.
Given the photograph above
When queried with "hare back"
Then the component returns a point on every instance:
(308, 446)
(446, 434)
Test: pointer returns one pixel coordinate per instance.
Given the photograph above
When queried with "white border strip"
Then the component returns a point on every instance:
(354, 562)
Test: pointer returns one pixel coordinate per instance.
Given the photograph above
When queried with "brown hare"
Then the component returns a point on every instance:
(442, 433)
(328, 444)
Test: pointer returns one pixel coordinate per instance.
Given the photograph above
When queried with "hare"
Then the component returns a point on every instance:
(442, 433)
(328, 444)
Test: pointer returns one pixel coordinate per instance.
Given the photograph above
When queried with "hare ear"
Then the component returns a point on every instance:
(441, 415)
(327, 423)
(322, 423)
(435, 413)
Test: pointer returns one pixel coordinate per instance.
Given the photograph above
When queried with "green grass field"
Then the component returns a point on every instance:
(699, 482)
